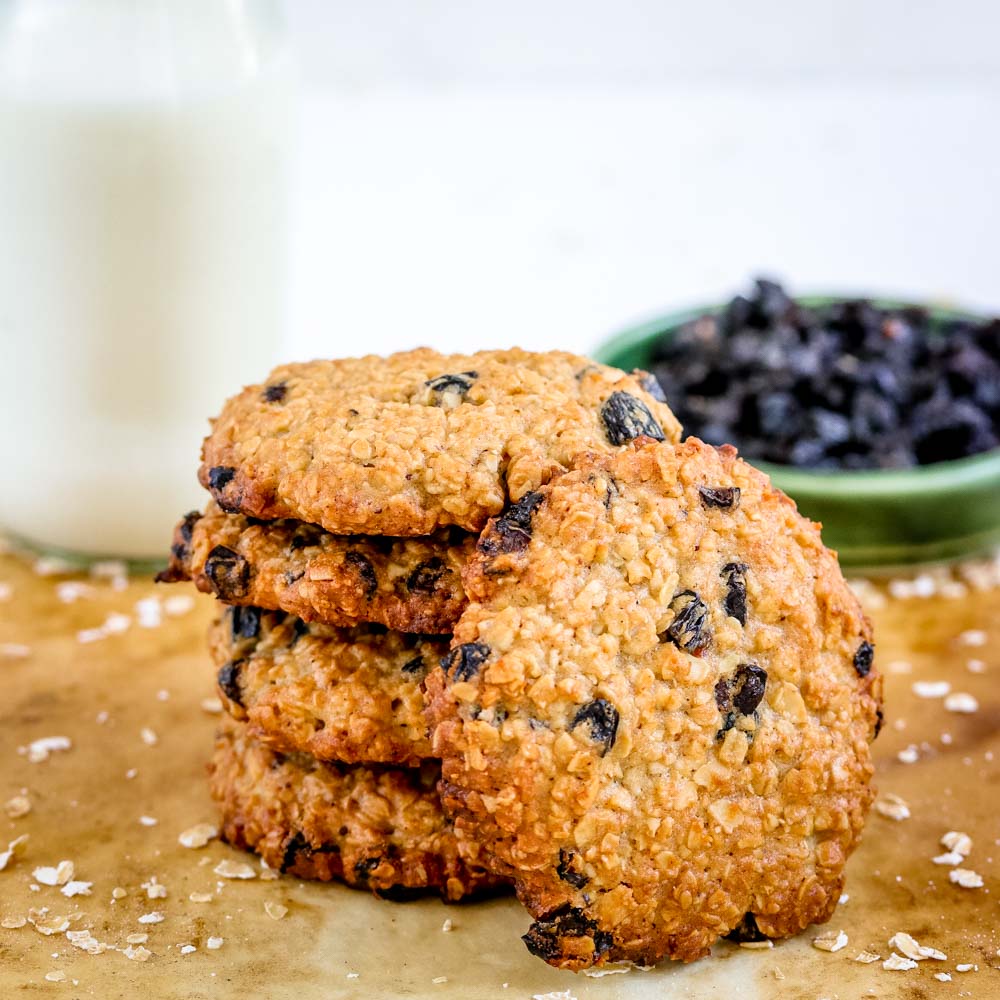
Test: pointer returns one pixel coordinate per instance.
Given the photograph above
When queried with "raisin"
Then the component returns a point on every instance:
(543, 937)
(724, 497)
(576, 879)
(511, 531)
(625, 418)
(228, 680)
(294, 846)
(220, 476)
(863, 658)
(747, 930)
(739, 695)
(603, 718)
(299, 629)
(464, 661)
(293, 577)
(365, 570)
(364, 868)
(650, 383)
(180, 551)
(228, 572)
(191, 518)
(879, 722)
(426, 576)
(245, 622)
(735, 601)
(275, 393)
(689, 629)
(414, 666)
(457, 384)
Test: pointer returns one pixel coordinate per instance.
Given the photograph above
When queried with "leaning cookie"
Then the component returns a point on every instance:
(408, 584)
(657, 711)
(352, 695)
(374, 828)
(416, 441)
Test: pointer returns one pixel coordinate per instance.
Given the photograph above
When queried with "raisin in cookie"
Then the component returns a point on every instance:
(409, 584)
(657, 710)
(406, 444)
(339, 694)
(378, 828)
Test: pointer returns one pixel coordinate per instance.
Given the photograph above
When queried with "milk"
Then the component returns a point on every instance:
(142, 256)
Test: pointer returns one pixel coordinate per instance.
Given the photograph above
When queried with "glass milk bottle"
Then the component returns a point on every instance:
(143, 184)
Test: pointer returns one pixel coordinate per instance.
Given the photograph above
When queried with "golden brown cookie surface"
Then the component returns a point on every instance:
(352, 695)
(408, 584)
(377, 828)
(406, 444)
(657, 711)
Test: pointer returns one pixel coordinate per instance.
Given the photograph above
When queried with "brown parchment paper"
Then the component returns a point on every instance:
(86, 804)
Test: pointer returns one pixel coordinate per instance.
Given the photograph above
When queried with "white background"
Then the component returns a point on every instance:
(473, 175)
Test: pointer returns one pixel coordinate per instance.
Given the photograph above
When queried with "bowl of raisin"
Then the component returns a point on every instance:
(880, 418)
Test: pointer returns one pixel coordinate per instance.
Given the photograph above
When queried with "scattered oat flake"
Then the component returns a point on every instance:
(830, 941)
(154, 890)
(214, 943)
(46, 923)
(961, 702)
(116, 623)
(909, 755)
(975, 667)
(909, 946)
(156, 917)
(69, 591)
(76, 888)
(447, 926)
(198, 835)
(56, 976)
(18, 806)
(131, 773)
(148, 820)
(40, 750)
(228, 868)
(896, 963)
(967, 967)
(6, 591)
(187, 949)
(118, 892)
(108, 569)
(13, 923)
(52, 566)
(85, 941)
(931, 689)
(439, 979)
(275, 910)
(960, 843)
(211, 705)
(149, 612)
(139, 938)
(966, 878)
(148, 736)
(866, 957)
(178, 604)
(892, 807)
(59, 875)
(973, 637)
(137, 954)
(88, 635)
(200, 897)
(14, 650)
(942, 977)
(560, 995)
(952, 859)
(13, 849)
(757, 945)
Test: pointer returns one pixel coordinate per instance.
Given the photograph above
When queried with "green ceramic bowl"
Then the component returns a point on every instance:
(875, 520)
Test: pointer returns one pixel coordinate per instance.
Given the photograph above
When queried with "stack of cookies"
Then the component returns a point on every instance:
(487, 621)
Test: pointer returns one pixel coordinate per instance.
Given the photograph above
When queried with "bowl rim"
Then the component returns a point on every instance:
(923, 479)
